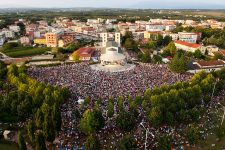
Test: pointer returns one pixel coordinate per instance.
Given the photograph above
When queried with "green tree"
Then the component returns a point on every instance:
(39, 118)
(92, 143)
(21, 141)
(220, 131)
(110, 111)
(40, 141)
(170, 49)
(198, 54)
(91, 121)
(155, 116)
(56, 117)
(178, 63)
(48, 128)
(125, 121)
(31, 131)
(193, 134)
(164, 142)
(3, 70)
(127, 143)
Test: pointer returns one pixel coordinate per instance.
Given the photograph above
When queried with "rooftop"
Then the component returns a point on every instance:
(193, 45)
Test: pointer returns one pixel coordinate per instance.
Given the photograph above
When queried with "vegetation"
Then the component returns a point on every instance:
(92, 143)
(127, 143)
(179, 63)
(20, 51)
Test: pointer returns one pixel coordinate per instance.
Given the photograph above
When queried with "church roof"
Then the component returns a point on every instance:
(111, 44)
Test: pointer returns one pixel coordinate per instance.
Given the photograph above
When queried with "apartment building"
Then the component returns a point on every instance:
(52, 38)
(2, 38)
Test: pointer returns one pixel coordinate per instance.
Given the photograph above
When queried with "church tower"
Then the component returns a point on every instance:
(104, 39)
(117, 38)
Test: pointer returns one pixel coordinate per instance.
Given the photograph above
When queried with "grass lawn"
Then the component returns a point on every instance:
(25, 51)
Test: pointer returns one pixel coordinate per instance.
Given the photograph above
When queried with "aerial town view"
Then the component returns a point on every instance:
(112, 75)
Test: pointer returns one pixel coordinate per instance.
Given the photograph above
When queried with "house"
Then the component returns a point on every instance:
(189, 47)
(84, 53)
(65, 40)
(170, 27)
(25, 40)
(152, 34)
(40, 41)
(9, 34)
(14, 28)
(207, 66)
(211, 49)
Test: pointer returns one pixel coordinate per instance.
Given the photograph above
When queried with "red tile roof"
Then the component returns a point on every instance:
(85, 51)
(193, 45)
(211, 63)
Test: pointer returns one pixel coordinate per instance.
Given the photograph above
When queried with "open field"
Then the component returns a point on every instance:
(25, 51)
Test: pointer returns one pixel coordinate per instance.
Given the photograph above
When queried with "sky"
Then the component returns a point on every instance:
(160, 4)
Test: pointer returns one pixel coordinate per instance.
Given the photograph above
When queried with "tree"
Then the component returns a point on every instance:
(164, 142)
(40, 141)
(92, 143)
(55, 50)
(75, 56)
(48, 128)
(192, 134)
(3, 70)
(120, 103)
(125, 121)
(220, 131)
(166, 40)
(218, 56)
(151, 45)
(21, 141)
(91, 121)
(170, 49)
(198, 54)
(39, 118)
(127, 143)
(31, 131)
(178, 63)
(110, 111)
(155, 116)
(56, 117)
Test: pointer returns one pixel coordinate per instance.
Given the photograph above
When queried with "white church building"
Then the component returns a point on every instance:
(111, 52)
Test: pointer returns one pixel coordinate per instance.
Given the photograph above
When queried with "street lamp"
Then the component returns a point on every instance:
(223, 113)
(146, 134)
(217, 80)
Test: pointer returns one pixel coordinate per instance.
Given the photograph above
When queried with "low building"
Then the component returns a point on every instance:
(152, 34)
(84, 53)
(40, 41)
(208, 66)
(9, 34)
(65, 40)
(189, 47)
(189, 37)
(25, 40)
(14, 28)
(211, 49)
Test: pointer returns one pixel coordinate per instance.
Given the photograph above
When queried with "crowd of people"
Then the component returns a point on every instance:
(85, 82)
